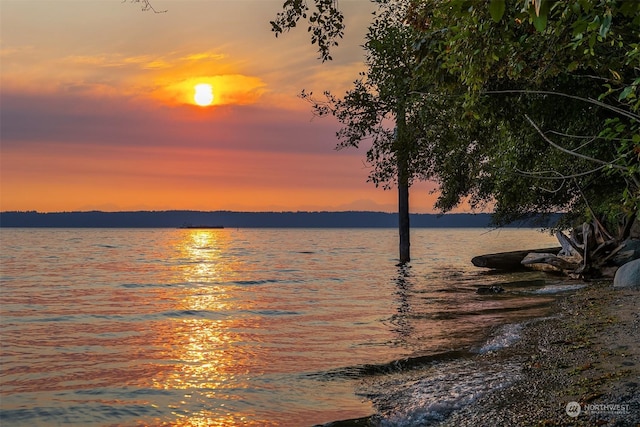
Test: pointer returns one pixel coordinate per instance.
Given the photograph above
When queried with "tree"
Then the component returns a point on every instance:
(551, 94)
(386, 106)
(535, 52)
(562, 71)
(558, 97)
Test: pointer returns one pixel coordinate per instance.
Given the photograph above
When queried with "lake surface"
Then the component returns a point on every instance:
(253, 327)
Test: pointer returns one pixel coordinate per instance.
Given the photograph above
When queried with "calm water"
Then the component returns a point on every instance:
(254, 327)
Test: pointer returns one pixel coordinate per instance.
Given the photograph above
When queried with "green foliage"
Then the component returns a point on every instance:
(496, 9)
(553, 88)
(386, 107)
(527, 106)
(325, 23)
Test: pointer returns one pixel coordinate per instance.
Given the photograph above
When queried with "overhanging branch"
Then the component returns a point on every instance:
(620, 111)
(573, 153)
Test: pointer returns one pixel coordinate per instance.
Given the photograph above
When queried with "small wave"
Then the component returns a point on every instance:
(275, 312)
(134, 392)
(254, 282)
(201, 314)
(66, 318)
(147, 285)
(394, 366)
(556, 289)
(465, 313)
(78, 318)
(78, 414)
(522, 283)
(507, 335)
(438, 392)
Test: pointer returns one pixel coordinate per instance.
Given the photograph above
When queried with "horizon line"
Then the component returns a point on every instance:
(240, 211)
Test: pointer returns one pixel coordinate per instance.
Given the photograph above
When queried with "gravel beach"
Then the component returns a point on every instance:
(587, 353)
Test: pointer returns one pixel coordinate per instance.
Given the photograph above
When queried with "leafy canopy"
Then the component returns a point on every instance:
(558, 82)
(524, 105)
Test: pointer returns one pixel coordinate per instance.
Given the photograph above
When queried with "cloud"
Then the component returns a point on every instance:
(96, 110)
(82, 119)
(204, 56)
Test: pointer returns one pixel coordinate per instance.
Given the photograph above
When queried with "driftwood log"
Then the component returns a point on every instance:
(511, 261)
(588, 251)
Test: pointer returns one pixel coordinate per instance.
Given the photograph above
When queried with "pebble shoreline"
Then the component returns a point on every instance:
(587, 352)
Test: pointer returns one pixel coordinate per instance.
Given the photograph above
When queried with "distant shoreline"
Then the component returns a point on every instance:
(231, 219)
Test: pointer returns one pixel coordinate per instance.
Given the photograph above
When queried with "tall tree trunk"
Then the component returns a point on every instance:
(403, 184)
(403, 222)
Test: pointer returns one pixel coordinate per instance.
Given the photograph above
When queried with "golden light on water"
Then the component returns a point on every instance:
(211, 360)
(203, 249)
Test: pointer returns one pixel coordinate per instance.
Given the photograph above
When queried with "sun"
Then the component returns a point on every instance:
(203, 95)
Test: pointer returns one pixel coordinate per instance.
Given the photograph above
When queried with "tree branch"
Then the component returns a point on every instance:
(146, 5)
(573, 153)
(560, 176)
(620, 111)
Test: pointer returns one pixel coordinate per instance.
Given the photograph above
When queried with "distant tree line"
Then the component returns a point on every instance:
(229, 219)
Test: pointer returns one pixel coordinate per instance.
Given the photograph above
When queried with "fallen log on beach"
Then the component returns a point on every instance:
(511, 261)
(550, 262)
(588, 252)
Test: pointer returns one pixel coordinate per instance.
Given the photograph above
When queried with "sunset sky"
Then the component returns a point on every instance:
(97, 110)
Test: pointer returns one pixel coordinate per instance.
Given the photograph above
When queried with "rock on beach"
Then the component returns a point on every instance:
(628, 275)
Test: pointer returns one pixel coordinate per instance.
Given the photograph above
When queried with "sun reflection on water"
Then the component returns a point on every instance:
(203, 251)
(206, 418)
(207, 338)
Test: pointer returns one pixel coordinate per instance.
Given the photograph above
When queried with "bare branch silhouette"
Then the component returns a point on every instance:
(146, 5)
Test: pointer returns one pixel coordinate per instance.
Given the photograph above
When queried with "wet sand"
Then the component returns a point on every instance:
(587, 352)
